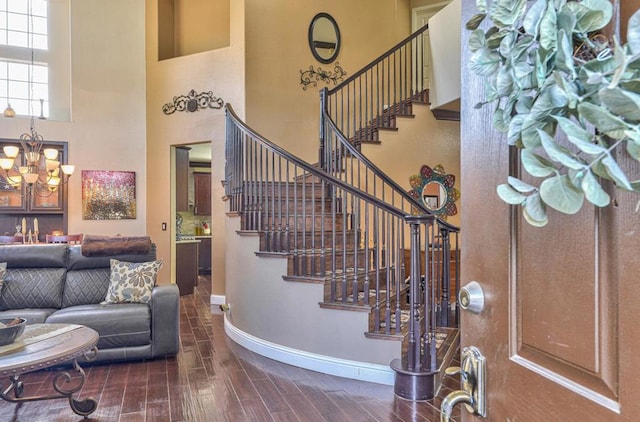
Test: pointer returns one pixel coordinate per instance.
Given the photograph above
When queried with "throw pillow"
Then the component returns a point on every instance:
(131, 282)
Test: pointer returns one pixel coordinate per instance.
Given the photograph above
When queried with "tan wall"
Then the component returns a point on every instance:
(107, 127)
(192, 26)
(418, 141)
(110, 122)
(286, 313)
(220, 71)
(201, 25)
(277, 106)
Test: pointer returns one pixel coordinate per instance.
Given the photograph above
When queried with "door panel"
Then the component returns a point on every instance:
(565, 324)
(560, 325)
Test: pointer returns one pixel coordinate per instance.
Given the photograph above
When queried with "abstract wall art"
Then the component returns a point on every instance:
(108, 195)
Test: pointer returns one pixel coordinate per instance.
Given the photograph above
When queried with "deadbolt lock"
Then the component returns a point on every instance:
(471, 297)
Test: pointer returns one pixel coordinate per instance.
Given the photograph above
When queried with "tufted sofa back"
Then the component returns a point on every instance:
(56, 275)
(35, 276)
(88, 277)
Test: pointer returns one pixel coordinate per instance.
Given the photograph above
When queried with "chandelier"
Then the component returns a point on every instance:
(41, 177)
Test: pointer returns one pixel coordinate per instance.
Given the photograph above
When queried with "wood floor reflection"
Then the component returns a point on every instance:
(214, 379)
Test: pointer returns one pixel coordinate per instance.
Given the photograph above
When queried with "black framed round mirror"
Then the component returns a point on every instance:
(324, 38)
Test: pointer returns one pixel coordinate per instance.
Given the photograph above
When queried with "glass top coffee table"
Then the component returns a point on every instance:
(44, 346)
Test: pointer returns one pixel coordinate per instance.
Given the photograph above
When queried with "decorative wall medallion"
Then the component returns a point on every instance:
(434, 187)
(193, 102)
(312, 76)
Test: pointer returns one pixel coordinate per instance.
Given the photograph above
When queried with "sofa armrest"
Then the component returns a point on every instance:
(165, 320)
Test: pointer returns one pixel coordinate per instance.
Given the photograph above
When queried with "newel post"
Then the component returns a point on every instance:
(414, 380)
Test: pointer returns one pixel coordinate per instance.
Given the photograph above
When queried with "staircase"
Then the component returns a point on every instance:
(387, 120)
(344, 225)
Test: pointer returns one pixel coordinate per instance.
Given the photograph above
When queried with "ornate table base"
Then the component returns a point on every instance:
(45, 346)
(60, 384)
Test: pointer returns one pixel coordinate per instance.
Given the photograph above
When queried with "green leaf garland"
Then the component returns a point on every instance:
(566, 96)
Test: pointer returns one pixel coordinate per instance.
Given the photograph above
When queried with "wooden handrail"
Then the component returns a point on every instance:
(379, 59)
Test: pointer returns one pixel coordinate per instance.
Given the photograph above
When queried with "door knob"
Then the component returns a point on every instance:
(471, 297)
(472, 373)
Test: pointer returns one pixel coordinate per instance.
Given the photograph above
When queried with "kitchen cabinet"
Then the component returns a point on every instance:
(204, 255)
(202, 193)
(187, 266)
(182, 178)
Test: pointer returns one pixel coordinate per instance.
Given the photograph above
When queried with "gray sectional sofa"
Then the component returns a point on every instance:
(57, 284)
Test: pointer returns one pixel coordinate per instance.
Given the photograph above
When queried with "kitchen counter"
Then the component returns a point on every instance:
(188, 241)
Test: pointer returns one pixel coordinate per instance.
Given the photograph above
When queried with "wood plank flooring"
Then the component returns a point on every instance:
(214, 379)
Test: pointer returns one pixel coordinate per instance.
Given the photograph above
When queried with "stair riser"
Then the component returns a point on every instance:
(314, 264)
(281, 190)
(308, 178)
(350, 285)
(281, 241)
(281, 205)
(383, 308)
(257, 221)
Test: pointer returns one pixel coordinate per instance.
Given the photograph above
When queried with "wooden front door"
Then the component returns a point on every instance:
(560, 329)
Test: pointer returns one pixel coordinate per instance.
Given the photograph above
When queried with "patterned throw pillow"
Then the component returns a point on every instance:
(132, 282)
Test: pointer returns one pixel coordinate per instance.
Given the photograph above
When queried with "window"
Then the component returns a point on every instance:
(46, 28)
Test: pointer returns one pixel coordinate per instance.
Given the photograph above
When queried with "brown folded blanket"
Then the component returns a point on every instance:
(93, 245)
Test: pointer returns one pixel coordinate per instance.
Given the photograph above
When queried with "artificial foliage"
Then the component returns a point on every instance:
(566, 95)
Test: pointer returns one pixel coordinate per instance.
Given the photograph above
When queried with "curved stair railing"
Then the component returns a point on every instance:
(354, 112)
(373, 98)
(334, 232)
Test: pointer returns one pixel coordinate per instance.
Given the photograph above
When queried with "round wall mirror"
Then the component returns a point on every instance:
(435, 188)
(434, 195)
(324, 38)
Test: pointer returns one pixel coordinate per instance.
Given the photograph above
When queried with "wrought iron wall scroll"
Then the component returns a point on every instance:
(193, 102)
(312, 76)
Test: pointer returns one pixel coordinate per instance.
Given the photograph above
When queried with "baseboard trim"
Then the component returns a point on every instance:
(218, 299)
(362, 371)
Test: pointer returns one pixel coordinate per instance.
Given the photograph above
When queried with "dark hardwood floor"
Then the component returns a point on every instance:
(214, 379)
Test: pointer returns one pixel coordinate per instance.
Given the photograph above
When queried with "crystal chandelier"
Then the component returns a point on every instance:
(41, 177)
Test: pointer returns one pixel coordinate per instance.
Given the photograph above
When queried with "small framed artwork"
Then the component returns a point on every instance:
(108, 195)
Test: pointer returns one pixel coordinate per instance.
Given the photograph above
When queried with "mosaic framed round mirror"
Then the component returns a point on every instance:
(435, 189)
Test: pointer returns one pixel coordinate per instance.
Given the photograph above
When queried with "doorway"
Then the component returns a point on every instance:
(191, 196)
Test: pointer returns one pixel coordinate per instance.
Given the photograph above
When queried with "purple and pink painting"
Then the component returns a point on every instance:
(108, 195)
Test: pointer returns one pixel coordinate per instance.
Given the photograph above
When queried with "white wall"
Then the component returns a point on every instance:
(444, 37)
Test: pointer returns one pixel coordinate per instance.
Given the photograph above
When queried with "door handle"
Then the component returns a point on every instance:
(472, 372)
